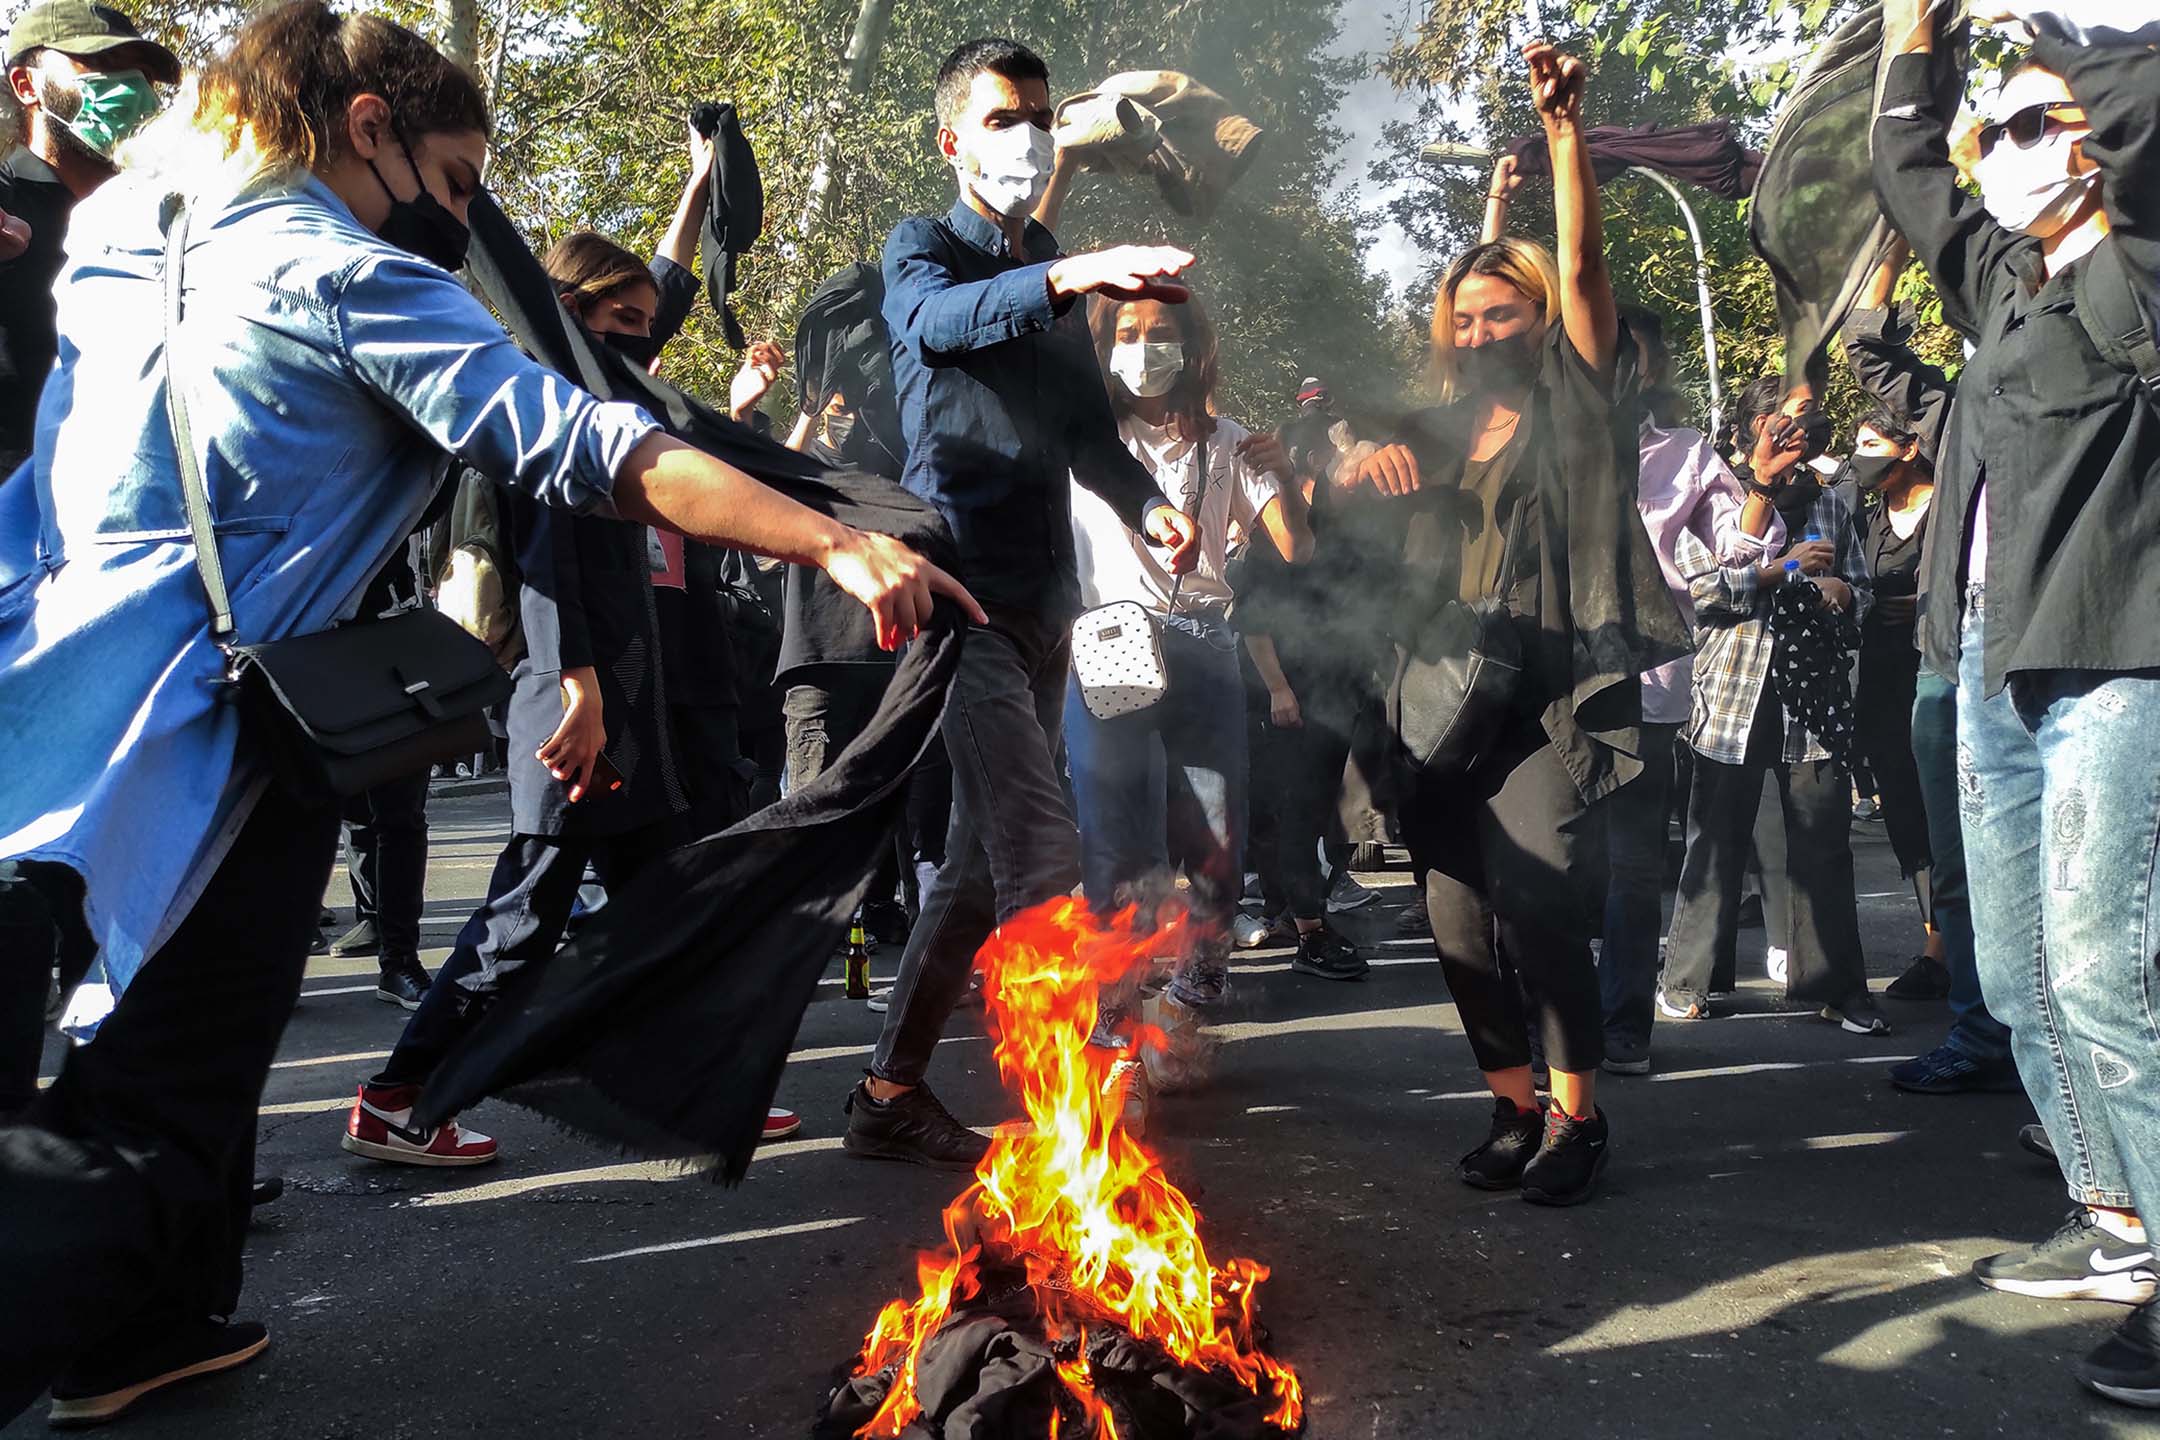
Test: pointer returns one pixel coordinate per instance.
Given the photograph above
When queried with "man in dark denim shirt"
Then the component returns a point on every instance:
(1001, 401)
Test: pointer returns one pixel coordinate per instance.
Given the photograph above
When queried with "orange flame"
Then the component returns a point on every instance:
(1105, 1232)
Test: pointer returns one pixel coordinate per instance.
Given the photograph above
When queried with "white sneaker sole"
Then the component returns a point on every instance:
(95, 1409)
(405, 1155)
(398, 1000)
(2132, 1287)
(2124, 1395)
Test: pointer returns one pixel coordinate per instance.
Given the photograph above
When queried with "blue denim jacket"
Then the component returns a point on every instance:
(1003, 405)
(325, 374)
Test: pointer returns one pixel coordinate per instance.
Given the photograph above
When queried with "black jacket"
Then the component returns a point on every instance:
(2068, 443)
(1590, 597)
(29, 334)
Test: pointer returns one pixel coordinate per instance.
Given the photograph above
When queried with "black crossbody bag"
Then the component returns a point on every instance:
(1456, 680)
(342, 710)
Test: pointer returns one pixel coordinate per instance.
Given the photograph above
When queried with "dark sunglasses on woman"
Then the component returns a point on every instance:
(2029, 126)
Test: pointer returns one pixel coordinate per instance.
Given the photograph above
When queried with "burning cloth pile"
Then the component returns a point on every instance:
(1073, 1298)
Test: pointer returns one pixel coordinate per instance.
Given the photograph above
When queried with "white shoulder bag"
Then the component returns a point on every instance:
(1117, 649)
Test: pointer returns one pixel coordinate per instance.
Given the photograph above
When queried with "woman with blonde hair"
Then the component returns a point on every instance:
(325, 358)
(1534, 438)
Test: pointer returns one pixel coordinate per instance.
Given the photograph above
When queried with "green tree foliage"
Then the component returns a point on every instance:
(591, 98)
(593, 94)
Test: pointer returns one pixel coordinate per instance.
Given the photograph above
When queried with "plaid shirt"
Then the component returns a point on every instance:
(1732, 637)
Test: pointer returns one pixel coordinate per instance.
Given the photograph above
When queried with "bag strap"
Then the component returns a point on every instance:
(1199, 504)
(1504, 577)
(2112, 314)
(197, 498)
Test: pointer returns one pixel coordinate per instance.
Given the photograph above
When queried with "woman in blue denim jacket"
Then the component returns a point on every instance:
(327, 359)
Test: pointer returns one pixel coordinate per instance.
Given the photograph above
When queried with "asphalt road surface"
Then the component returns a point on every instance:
(1780, 1248)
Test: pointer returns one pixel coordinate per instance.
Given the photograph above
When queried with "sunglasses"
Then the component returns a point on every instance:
(2029, 126)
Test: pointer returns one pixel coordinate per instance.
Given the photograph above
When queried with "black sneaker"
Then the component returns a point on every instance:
(2033, 1139)
(1925, 979)
(1625, 1055)
(2080, 1261)
(265, 1190)
(915, 1127)
(1946, 1070)
(402, 983)
(1566, 1167)
(2126, 1367)
(1858, 1016)
(1326, 954)
(137, 1364)
(362, 939)
(1498, 1163)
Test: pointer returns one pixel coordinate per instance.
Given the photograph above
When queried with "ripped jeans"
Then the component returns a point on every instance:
(2059, 792)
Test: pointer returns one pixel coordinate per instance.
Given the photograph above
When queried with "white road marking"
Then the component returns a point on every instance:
(339, 990)
(646, 1170)
(775, 1232)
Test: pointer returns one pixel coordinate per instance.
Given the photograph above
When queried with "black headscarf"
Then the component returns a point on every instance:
(665, 1025)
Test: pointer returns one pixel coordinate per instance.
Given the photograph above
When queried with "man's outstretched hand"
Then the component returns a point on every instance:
(1125, 272)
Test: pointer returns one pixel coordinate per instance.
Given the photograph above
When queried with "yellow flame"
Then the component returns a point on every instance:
(1105, 1229)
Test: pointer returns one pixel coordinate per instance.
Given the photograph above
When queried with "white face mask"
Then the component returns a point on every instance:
(1009, 168)
(2035, 190)
(1147, 367)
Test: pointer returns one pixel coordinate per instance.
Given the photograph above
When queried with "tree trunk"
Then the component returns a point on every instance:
(459, 23)
(862, 57)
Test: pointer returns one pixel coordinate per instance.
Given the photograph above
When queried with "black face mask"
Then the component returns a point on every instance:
(1793, 496)
(1499, 365)
(639, 350)
(423, 225)
(1872, 472)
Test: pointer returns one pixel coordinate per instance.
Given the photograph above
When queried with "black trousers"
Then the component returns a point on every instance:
(1882, 714)
(707, 743)
(1515, 886)
(1818, 925)
(1012, 843)
(124, 1192)
(1302, 770)
(41, 926)
(520, 923)
(386, 841)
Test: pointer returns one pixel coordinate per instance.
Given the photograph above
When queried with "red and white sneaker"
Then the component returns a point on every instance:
(779, 1124)
(380, 1127)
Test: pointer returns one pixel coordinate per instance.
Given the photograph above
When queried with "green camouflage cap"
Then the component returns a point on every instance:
(84, 29)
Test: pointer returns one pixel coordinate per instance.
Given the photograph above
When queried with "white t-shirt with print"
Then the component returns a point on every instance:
(1116, 564)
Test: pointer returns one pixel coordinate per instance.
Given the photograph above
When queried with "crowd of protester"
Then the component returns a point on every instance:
(1730, 627)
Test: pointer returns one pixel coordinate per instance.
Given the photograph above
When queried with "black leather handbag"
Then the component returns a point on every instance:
(1455, 680)
(344, 709)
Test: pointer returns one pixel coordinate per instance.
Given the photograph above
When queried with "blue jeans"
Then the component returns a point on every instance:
(2061, 803)
(1635, 849)
(1164, 787)
(1975, 1034)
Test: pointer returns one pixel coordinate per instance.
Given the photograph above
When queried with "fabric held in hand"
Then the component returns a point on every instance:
(735, 212)
(1815, 219)
(664, 1026)
(1707, 155)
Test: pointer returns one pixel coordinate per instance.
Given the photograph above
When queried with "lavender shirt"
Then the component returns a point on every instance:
(1685, 486)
